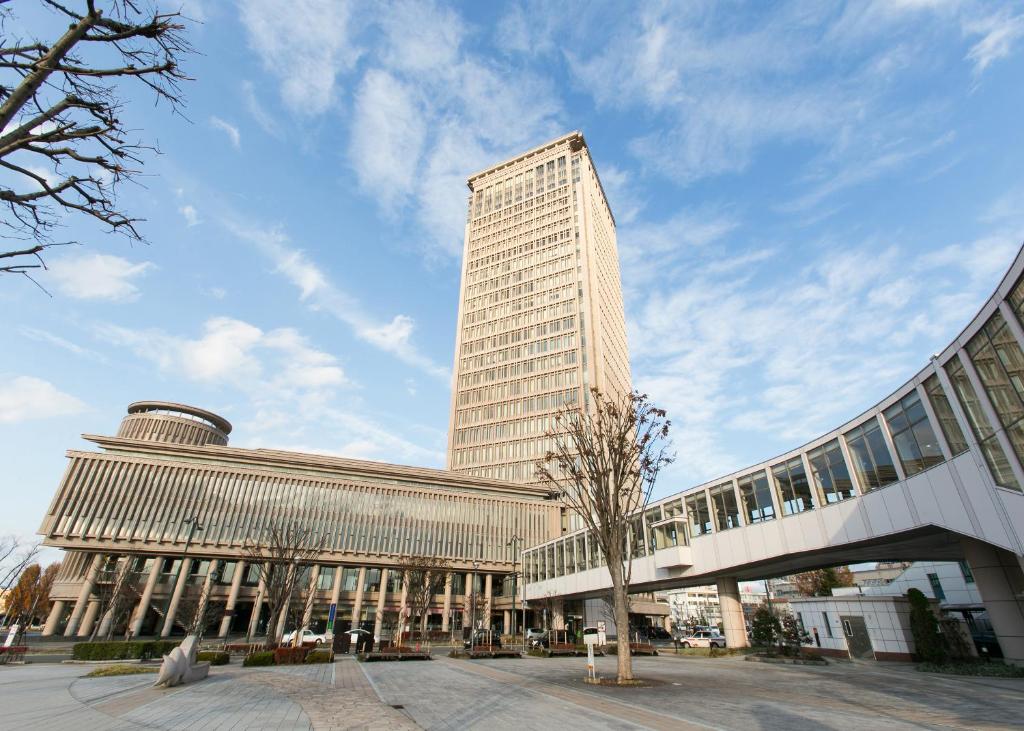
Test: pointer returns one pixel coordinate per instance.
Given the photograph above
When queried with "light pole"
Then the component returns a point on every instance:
(472, 607)
(193, 526)
(514, 541)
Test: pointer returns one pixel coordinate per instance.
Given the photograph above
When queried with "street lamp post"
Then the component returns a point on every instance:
(514, 542)
(193, 526)
(472, 607)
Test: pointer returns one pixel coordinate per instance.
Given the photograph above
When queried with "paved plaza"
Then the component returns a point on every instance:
(687, 694)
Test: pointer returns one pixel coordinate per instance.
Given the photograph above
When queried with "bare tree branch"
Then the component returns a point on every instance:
(62, 137)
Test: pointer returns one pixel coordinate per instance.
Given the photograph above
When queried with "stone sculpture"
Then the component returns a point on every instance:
(180, 666)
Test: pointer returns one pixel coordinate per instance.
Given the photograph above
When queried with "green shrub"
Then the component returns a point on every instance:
(110, 671)
(214, 657)
(929, 642)
(258, 659)
(766, 627)
(319, 656)
(987, 669)
(123, 650)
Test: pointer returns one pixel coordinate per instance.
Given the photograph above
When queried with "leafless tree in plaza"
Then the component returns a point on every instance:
(278, 558)
(64, 141)
(604, 465)
(424, 578)
(117, 592)
(196, 611)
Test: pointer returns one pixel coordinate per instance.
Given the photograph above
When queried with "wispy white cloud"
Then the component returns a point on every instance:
(44, 336)
(229, 129)
(1000, 33)
(258, 112)
(190, 214)
(97, 277)
(27, 398)
(316, 289)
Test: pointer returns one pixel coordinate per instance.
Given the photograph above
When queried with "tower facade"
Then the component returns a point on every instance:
(541, 318)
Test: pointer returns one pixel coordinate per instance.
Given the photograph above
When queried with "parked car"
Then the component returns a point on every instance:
(309, 637)
(483, 637)
(536, 638)
(703, 638)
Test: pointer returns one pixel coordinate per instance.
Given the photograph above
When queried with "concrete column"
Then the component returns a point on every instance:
(447, 601)
(82, 603)
(379, 619)
(467, 614)
(314, 577)
(257, 607)
(89, 619)
(488, 585)
(335, 595)
(204, 597)
(1000, 580)
(179, 589)
(732, 612)
(557, 614)
(282, 615)
(506, 625)
(229, 608)
(53, 619)
(357, 606)
(147, 596)
(402, 604)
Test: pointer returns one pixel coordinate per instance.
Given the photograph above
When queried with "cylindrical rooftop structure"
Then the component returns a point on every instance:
(163, 421)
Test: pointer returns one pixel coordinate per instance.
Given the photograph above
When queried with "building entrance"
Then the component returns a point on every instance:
(857, 637)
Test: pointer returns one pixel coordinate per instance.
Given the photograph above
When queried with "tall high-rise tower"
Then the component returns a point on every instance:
(541, 319)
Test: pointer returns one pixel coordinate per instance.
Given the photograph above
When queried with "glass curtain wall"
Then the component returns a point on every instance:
(871, 458)
(757, 497)
(794, 490)
(830, 472)
(727, 511)
(944, 413)
(697, 511)
(915, 441)
(983, 431)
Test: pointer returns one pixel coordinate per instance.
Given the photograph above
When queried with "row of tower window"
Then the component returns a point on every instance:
(536, 272)
(503, 431)
(523, 303)
(513, 370)
(498, 324)
(518, 387)
(516, 188)
(532, 252)
(516, 407)
(514, 336)
(561, 342)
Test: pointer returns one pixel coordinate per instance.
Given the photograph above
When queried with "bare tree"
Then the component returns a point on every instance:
(604, 465)
(424, 577)
(196, 612)
(15, 556)
(117, 592)
(62, 137)
(277, 561)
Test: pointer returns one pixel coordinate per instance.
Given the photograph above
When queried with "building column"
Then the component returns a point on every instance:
(53, 618)
(335, 596)
(557, 614)
(488, 586)
(257, 607)
(89, 619)
(506, 625)
(447, 601)
(729, 603)
(179, 589)
(229, 608)
(378, 622)
(1000, 580)
(204, 597)
(402, 604)
(466, 609)
(314, 577)
(82, 603)
(282, 616)
(357, 605)
(147, 596)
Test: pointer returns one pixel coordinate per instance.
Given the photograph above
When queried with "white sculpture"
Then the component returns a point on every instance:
(180, 665)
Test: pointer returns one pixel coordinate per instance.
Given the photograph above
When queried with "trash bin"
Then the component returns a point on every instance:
(342, 640)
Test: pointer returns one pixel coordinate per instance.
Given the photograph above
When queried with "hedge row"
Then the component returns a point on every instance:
(123, 650)
(320, 656)
(258, 659)
(214, 657)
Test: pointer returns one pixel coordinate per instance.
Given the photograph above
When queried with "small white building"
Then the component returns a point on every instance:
(858, 626)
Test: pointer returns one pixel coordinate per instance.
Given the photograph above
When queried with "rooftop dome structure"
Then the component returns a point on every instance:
(163, 421)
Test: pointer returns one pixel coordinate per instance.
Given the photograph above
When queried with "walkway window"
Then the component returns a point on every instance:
(697, 511)
(652, 516)
(998, 465)
(944, 413)
(727, 511)
(794, 490)
(915, 441)
(349, 579)
(965, 569)
(637, 541)
(581, 553)
(871, 458)
(325, 581)
(830, 472)
(1000, 365)
(596, 555)
(757, 497)
(933, 579)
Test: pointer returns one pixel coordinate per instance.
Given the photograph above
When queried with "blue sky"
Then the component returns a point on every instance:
(811, 198)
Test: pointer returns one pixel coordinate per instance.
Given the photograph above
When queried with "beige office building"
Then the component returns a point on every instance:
(541, 318)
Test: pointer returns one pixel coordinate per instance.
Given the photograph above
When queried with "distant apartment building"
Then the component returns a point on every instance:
(541, 318)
